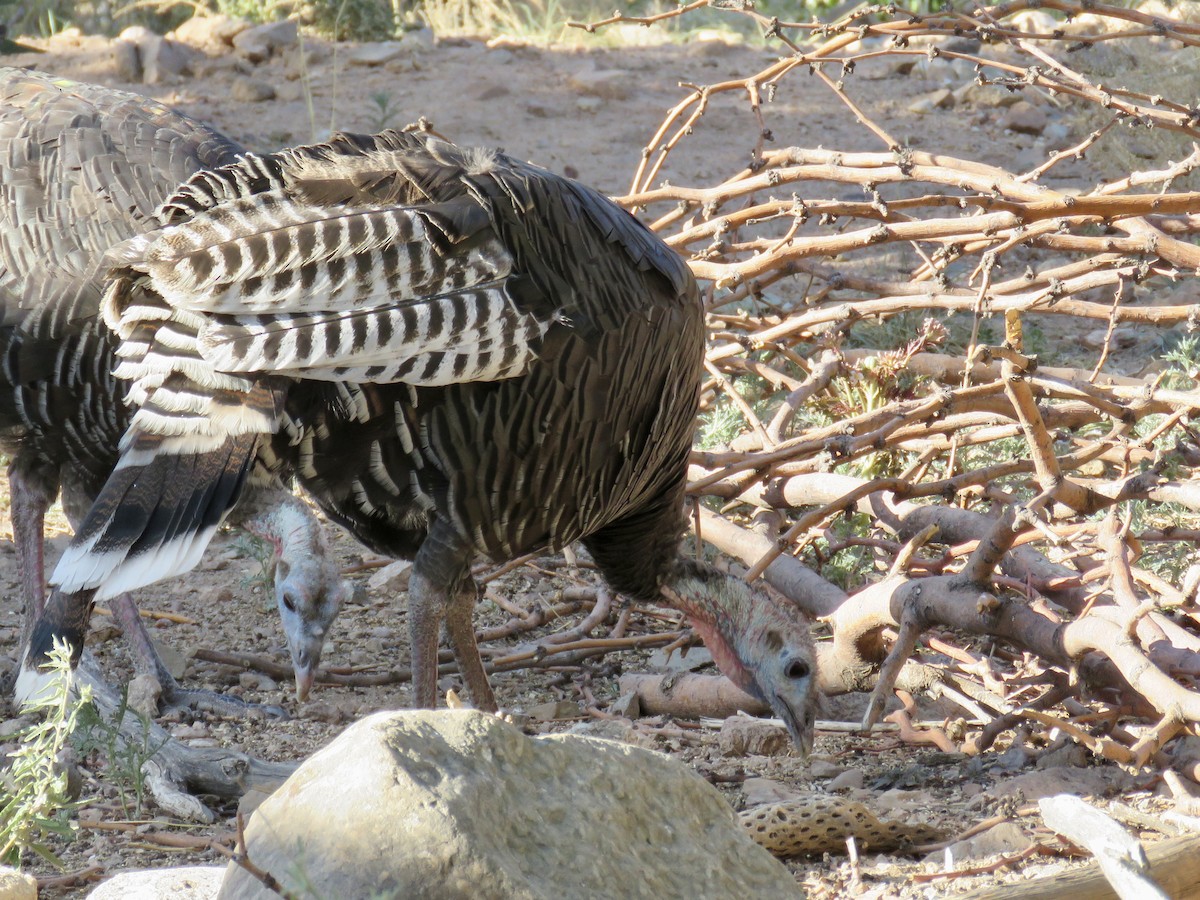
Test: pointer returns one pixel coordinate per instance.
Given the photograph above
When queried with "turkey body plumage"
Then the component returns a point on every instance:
(588, 441)
(459, 354)
(82, 167)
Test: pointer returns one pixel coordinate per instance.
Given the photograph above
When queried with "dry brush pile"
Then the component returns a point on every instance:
(921, 424)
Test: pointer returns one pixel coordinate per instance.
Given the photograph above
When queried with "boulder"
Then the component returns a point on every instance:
(127, 62)
(213, 32)
(182, 883)
(456, 804)
(260, 42)
(159, 58)
(16, 885)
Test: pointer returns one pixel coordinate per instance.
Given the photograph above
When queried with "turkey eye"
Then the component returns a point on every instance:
(797, 669)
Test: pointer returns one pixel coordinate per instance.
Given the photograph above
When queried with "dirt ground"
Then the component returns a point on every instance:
(564, 109)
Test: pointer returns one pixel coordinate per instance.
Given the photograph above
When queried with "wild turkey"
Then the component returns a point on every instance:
(473, 356)
(84, 167)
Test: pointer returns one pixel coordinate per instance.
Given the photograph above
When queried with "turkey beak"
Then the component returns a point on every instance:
(790, 691)
(800, 723)
(304, 664)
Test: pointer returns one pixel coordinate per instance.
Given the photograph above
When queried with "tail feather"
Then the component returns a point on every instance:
(154, 519)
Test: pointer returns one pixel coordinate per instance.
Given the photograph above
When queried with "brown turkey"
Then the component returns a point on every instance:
(468, 355)
(82, 168)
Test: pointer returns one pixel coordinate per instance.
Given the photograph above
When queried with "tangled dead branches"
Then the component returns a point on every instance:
(924, 423)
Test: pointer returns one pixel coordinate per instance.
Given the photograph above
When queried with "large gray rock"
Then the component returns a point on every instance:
(260, 42)
(457, 804)
(182, 883)
(16, 885)
(212, 32)
(160, 59)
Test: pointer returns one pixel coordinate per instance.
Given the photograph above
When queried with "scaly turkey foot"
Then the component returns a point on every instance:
(177, 699)
(174, 698)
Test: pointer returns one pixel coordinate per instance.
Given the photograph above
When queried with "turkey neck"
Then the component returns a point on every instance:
(718, 607)
(283, 519)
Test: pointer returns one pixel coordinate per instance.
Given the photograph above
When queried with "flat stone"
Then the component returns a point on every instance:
(823, 768)
(376, 54)
(1003, 839)
(1122, 338)
(456, 803)
(16, 885)
(260, 42)
(1066, 756)
(1058, 136)
(986, 95)
(607, 84)
(144, 691)
(251, 90)
(163, 59)
(898, 801)
(758, 791)
(559, 709)
(1012, 760)
(9, 727)
(611, 730)
(746, 736)
(421, 38)
(175, 660)
(850, 780)
(1025, 118)
(1048, 782)
(182, 883)
(1035, 21)
(251, 801)
(627, 705)
(942, 98)
(392, 577)
(257, 681)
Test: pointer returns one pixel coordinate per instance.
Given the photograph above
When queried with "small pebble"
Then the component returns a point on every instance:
(850, 780)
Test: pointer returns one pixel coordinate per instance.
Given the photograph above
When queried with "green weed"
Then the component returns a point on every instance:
(34, 803)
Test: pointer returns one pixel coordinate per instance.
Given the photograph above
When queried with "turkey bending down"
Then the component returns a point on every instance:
(473, 355)
(82, 168)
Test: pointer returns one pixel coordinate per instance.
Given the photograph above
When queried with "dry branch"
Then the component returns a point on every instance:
(944, 414)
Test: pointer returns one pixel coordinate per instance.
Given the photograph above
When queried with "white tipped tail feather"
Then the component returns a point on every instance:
(33, 682)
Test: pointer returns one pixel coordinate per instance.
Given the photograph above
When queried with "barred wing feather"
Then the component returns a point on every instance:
(366, 259)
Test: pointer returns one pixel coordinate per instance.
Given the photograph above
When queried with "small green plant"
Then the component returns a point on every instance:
(125, 754)
(720, 425)
(42, 18)
(384, 110)
(1184, 363)
(254, 547)
(34, 803)
(847, 567)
